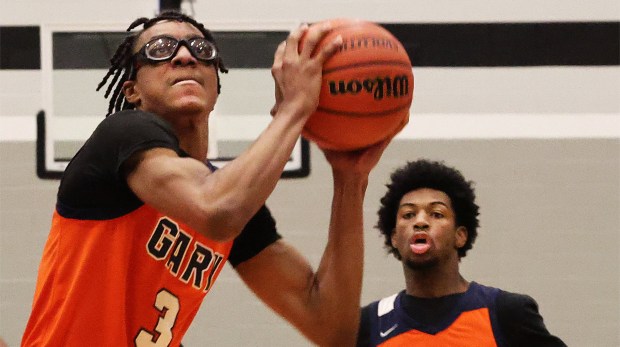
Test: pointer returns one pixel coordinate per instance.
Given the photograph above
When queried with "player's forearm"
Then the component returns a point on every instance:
(339, 277)
(243, 185)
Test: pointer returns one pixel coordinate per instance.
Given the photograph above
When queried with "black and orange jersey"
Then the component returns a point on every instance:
(115, 271)
(482, 316)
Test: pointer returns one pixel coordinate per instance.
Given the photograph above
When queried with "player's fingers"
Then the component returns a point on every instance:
(381, 146)
(275, 69)
(313, 37)
(292, 41)
(278, 99)
(278, 56)
(329, 49)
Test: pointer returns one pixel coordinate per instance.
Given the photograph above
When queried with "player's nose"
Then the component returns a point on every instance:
(421, 222)
(183, 57)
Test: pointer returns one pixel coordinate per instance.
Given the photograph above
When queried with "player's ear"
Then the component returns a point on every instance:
(131, 93)
(393, 237)
(461, 236)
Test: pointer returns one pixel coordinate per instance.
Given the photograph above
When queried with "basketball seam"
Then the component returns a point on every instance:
(378, 62)
(361, 114)
(358, 23)
(315, 137)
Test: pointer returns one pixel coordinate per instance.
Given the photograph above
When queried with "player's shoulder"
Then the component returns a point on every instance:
(512, 301)
(382, 306)
(130, 117)
(504, 299)
(373, 313)
(378, 308)
(515, 307)
(521, 322)
(134, 126)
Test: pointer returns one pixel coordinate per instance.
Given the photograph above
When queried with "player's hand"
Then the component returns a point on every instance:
(360, 161)
(298, 72)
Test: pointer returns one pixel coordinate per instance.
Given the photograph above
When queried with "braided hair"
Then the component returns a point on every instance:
(122, 68)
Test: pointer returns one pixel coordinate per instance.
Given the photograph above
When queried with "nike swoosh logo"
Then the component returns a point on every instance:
(387, 332)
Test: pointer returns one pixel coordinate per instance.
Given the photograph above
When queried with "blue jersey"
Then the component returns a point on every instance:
(482, 316)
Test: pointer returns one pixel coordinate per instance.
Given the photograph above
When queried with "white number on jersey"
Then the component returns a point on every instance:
(168, 305)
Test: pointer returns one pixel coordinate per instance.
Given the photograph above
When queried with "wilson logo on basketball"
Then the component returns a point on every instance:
(379, 87)
(367, 42)
(366, 89)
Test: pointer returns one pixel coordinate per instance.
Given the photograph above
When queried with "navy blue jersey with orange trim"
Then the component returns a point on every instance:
(482, 316)
(115, 271)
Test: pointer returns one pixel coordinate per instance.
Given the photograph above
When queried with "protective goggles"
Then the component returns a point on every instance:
(164, 48)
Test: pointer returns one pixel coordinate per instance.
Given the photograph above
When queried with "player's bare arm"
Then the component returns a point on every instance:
(322, 304)
(220, 204)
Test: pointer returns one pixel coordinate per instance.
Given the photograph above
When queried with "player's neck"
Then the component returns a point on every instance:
(193, 135)
(434, 283)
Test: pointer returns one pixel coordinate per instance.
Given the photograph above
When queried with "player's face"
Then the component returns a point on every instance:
(426, 234)
(180, 85)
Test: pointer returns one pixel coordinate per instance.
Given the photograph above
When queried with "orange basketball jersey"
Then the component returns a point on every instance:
(466, 319)
(116, 272)
(472, 328)
(106, 276)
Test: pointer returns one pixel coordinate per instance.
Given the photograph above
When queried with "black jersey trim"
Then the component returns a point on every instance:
(95, 213)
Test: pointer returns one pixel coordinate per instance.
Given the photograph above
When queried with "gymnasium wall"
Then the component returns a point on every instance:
(541, 141)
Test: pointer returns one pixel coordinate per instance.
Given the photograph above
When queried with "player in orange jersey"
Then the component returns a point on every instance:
(429, 219)
(143, 223)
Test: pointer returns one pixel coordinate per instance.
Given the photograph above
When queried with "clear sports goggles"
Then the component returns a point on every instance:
(164, 48)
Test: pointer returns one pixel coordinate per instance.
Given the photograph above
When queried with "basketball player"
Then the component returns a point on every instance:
(429, 219)
(144, 224)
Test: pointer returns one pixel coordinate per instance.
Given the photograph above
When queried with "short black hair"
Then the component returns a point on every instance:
(435, 175)
(123, 62)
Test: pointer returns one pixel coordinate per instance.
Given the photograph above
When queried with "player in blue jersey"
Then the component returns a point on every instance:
(429, 219)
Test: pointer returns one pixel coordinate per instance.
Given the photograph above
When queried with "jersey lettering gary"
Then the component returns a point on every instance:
(171, 244)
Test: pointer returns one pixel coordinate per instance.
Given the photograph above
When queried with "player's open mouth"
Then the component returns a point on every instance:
(185, 81)
(419, 243)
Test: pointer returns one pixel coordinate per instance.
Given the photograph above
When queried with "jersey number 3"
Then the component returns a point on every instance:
(168, 306)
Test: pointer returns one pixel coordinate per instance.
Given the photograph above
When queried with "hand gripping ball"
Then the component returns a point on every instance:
(367, 88)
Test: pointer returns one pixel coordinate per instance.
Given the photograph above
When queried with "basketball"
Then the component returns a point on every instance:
(367, 88)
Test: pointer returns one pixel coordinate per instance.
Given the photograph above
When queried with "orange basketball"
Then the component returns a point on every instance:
(367, 88)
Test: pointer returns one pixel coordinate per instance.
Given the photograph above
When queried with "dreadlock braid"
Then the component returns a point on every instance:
(118, 91)
(122, 62)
